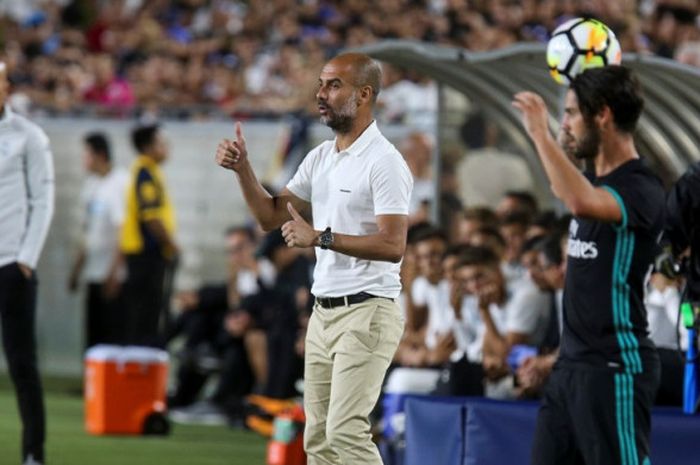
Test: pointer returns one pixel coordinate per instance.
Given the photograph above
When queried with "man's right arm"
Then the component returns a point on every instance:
(270, 211)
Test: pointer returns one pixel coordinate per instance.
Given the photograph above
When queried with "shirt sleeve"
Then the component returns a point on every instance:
(641, 201)
(391, 183)
(300, 184)
(39, 178)
(149, 196)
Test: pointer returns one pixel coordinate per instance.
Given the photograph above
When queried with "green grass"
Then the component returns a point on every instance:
(69, 444)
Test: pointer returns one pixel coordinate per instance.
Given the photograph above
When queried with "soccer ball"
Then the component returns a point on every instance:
(580, 44)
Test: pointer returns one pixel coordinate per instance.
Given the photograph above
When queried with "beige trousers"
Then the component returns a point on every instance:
(348, 350)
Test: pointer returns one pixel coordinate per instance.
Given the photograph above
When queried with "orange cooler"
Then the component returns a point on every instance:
(125, 389)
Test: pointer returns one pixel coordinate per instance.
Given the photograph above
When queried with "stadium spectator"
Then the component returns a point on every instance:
(429, 298)
(276, 312)
(207, 348)
(417, 150)
(510, 315)
(547, 270)
(473, 219)
(108, 90)
(518, 202)
(98, 260)
(513, 229)
(662, 302)
(257, 58)
(487, 171)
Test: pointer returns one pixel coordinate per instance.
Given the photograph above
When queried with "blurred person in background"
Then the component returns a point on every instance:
(202, 319)
(511, 315)
(417, 150)
(548, 271)
(108, 90)
(689, 53)
(276, 313)
(98, 259)
(662, 301)
(27, 190)
(513, 228)
(473, 219)
(428, 301)
(519, 202)
(148, 241)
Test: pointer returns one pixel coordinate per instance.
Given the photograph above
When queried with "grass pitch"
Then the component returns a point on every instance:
(69, 444)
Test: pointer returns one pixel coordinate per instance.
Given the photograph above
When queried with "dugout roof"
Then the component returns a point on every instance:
(669, 130)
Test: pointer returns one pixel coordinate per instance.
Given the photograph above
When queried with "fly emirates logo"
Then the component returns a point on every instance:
(577, 248)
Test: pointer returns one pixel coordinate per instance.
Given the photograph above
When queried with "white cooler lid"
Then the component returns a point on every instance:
(123, 354)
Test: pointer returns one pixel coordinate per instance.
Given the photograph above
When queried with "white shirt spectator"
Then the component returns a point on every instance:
(662, 314)
(103, 204)
(525, 311)
(411, 103)
(347, 190)
(468, 332)
(485, 175)
(436, 297)
(247, 281)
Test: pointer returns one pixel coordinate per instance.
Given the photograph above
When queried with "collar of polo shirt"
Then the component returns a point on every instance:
(362, 142)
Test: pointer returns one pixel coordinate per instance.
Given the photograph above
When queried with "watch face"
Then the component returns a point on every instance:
(326, 239)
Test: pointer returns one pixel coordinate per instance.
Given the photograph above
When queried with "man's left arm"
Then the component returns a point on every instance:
(39, 178)
(582, 198)
(388, 244)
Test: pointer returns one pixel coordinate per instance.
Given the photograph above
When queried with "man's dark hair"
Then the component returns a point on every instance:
(143, 137)
(532, 244)
(484, 215)
(526, 201)
(416, 230)
(429, 233)
(520, 218)
(456, 250)
(612, 86)
(245, 230)
(478, 256)
(492, 233)
(99, 144)
(548, 220)
(550, 247)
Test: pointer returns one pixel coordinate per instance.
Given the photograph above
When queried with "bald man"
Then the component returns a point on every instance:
(357, 189)
(27, 190)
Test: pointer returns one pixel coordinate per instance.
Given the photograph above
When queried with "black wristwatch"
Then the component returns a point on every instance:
(325, 239)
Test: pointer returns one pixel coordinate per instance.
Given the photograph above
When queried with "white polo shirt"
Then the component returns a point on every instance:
(347, 190)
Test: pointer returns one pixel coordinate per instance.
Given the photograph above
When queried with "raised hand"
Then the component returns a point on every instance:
(233, 155)
(534, 113)
(297, 232)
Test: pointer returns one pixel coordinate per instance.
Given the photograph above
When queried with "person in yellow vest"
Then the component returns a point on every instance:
(147, 240)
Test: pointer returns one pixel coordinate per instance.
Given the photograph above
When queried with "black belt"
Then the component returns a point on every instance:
(330, 302)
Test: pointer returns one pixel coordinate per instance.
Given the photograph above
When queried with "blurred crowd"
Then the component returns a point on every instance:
(198, 58)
